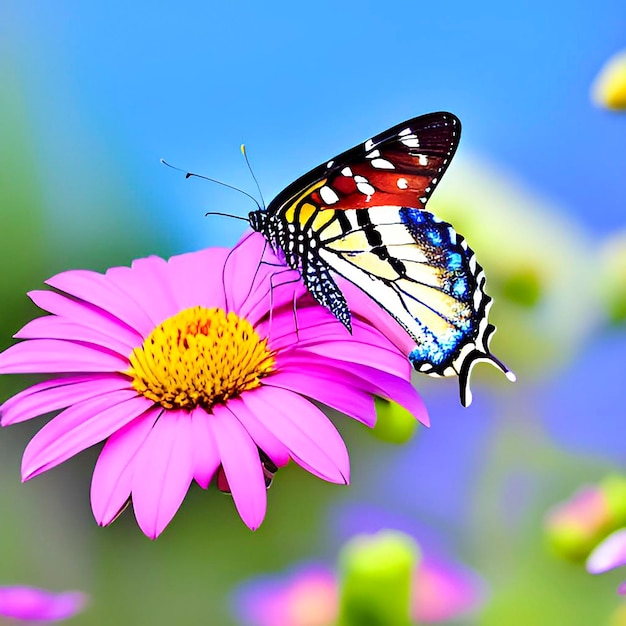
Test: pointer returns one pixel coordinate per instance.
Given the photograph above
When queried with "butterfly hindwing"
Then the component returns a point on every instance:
(363, 215)
(427, 278)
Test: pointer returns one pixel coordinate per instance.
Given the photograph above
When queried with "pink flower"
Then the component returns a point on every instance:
(609, 554)
(201, 364)
(30, 604)
(309, 595)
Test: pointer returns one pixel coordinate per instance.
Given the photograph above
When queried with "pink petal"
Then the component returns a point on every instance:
(443, 591)
(609, 554)
(368, 379)
(204, 453)
(80, 427)
(313, 441)
(101, 291)
(261, 435)
(42, 386)
(55, 398)
(336, 394)
(242, 466)
(196, 278)
(53, 327)
(314, 325)
(31, 604)
(396, 389)
(43, 356)
(163, 472)
(87, 315)
(111, 483)
(242, 267)
(276, 291)
(147, 283)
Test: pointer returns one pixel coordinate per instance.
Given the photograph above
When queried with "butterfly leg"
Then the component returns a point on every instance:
(324, 289)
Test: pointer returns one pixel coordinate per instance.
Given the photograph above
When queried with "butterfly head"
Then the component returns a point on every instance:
(258, 220)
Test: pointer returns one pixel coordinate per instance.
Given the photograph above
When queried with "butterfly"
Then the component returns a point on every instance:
(362, 215)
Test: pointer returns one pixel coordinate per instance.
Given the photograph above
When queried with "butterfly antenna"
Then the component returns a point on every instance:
(256, 182)
(219, 182)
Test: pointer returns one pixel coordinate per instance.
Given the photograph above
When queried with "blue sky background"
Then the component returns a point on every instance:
(110, 90)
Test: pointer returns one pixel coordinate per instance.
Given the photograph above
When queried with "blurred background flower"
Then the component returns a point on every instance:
(609, 87)
(28, 604)
(382, 578)
(93, 98)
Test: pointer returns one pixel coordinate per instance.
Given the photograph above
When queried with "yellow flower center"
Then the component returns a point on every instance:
(200, 357)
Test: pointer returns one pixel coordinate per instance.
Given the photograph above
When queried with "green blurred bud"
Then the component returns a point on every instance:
(613, 277)
(394, 423)
(614, 489)
(609, 87)
(574, 527)
(376, 573)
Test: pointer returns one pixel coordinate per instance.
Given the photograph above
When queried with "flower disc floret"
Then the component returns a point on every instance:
(200, 357)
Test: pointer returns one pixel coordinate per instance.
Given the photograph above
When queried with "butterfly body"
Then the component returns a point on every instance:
(362, 215)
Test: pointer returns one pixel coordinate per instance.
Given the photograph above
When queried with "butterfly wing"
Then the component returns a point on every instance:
(401, 166)
(363, 215)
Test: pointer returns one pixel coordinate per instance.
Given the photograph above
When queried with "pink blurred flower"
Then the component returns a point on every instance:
(183, 370)
(33, 605)
(574, 527)
(608, 555)
(309, 595)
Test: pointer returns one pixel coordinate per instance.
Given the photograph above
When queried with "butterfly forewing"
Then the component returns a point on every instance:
(400, 167)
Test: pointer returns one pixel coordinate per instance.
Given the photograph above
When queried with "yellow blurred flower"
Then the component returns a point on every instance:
(609, 88)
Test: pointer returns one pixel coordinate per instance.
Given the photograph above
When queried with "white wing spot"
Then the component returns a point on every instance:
(423, 159)
(423, 199)
(478, 298)
(330, 163)
(360, 179)
(406, 131)
(346, 171)
(328, 195)
(383, 164)
(373, 155)
(366, 189)
(369, 145)
(402, 183)
(411, 142)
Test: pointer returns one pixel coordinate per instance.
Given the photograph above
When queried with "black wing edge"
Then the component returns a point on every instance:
(477, 355)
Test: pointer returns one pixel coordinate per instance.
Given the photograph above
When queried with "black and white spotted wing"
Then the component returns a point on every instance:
(363, 215)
